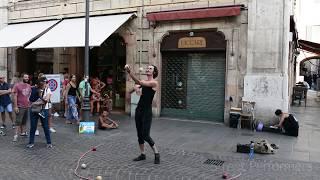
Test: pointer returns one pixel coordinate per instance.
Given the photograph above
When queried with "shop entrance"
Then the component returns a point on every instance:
(34, 62)
(193, 85)
(193, 75)
(106, 63)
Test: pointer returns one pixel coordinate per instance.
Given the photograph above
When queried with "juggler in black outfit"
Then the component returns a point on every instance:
(143, 116)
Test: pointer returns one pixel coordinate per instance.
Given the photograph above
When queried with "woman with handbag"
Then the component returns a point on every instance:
(71, 94)
(40, 109)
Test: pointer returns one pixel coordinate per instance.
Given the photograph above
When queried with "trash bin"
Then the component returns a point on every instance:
(234, 120)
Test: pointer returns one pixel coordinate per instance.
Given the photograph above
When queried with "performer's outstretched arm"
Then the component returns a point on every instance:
(138, 81)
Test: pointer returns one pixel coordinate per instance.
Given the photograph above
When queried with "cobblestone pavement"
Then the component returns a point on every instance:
(184, 147)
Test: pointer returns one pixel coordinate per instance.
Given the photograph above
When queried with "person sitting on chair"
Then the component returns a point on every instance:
(288, 122)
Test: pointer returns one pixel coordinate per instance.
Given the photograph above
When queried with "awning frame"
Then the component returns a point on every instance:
(309, 46)
(21, 34)
(71, 32)
(198, 13)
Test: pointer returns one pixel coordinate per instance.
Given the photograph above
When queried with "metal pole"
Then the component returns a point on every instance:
(86, 102)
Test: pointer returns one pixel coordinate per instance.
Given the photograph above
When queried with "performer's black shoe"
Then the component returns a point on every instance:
(140, 158)
(157, 158)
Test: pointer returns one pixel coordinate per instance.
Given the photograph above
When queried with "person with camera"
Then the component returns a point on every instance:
(40, 109)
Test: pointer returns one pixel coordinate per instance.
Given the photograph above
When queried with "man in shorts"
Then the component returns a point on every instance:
(21, 93)
(5, 102)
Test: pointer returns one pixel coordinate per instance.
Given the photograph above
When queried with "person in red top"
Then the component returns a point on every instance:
(21, 93)
(96, 98)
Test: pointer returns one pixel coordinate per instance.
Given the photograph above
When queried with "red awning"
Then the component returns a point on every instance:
(194, 13)
(309, 46)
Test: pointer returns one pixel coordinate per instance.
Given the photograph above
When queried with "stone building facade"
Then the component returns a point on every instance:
(3, 22)
(211, 53)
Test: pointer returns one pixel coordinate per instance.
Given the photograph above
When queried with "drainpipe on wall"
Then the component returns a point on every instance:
(141, 35)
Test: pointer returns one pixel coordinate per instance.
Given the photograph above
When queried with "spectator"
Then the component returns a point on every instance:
(105, 122)
(65, 82)
(82, 88)
(71, 94)
(44, 94)
(96, 98)
(5, 102)
(21, 93)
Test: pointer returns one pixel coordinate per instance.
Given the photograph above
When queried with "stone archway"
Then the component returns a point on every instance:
(193, 75)
(302, 62)
(107, 62)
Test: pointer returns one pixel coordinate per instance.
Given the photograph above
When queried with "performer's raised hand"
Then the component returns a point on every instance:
(127, 68)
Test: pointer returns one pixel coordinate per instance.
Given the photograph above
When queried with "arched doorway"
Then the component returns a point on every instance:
(193, 75)
(310, 70)
(107, 62)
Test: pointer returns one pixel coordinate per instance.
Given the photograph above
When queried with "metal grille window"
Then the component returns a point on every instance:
(193, 85)
(174, 87)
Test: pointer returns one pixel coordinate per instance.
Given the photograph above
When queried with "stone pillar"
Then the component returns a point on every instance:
(3, 23)
(266, 80)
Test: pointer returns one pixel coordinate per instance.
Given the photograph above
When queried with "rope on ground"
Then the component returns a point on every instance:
(234, 177)
(78, 163)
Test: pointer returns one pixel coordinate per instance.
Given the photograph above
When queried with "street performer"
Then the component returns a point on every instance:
(143, 115)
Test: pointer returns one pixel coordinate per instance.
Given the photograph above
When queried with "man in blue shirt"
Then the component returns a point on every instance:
(5, 101)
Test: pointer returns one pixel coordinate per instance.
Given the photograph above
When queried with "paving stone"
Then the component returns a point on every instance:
(184, 147)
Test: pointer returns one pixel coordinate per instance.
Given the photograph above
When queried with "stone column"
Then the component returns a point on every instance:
(3, 23)
(266, 80)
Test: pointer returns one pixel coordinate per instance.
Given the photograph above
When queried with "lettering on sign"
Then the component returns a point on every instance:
(192, 42)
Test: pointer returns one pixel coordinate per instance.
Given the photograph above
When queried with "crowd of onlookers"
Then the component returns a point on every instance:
(28, 98)
(74, 93)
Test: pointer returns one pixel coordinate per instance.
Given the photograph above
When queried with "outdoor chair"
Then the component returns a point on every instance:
(299, 93)
(247, 114)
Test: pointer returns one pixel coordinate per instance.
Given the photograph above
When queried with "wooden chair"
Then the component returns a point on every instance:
(247, 114)
(299, 93)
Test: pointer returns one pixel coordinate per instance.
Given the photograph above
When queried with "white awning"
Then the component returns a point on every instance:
(71, 32)
(17, 35)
